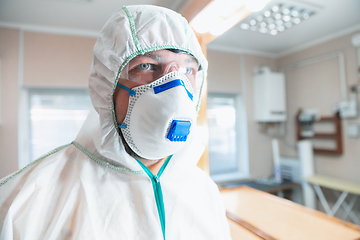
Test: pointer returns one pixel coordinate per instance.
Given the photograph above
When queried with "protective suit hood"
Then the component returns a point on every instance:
(129, 32)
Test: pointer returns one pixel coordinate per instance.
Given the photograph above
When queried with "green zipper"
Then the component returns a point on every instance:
(155, 180)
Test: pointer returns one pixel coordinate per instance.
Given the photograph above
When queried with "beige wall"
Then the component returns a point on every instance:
(50, 60)
(9, 52)
(313, 86)
(318, 86)
(225, 77)
(260, 155)
(56, 60)
(224, 72)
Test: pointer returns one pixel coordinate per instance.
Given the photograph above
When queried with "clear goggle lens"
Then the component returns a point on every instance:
(151, 66)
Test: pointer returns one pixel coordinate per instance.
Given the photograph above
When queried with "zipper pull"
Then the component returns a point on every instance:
(157, 180)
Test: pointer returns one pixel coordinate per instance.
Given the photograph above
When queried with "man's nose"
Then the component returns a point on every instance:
(171, 67)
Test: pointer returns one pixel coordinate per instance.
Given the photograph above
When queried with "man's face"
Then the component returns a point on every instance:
(149, 67)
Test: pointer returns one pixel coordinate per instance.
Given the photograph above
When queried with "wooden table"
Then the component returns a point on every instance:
(285, 185)
(240, 232)
(260, 215)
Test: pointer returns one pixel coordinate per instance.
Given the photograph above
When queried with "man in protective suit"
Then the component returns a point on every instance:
(131, 172)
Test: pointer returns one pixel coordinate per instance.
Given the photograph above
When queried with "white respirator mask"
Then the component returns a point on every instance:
(160, 117)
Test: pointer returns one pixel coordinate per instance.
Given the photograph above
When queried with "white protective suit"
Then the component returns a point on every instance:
(92, 188)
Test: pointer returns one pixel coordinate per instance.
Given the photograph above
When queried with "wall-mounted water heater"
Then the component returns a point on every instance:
(269, 95)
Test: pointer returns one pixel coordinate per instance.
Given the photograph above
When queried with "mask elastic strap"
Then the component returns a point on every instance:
(131, 92)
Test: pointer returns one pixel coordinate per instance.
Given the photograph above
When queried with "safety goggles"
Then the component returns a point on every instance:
(151, 66)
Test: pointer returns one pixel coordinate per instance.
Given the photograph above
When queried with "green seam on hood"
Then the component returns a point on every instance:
(82, 149)
(104, 163)
(132, 27)
(201, 88)
(35, 161)
(186, 33)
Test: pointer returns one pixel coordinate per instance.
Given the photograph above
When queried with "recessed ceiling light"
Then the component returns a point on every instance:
(267, 13)
(275, 8)
(273, 32)
(286, 11)
(286, 18)
(259, 18)
(279, 22)
(295, 13)
(276, 18)
(306, 16)
(280, 28)
(297, 20)
(272, 26)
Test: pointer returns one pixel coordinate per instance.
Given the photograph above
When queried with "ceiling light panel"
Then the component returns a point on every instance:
(276, 18)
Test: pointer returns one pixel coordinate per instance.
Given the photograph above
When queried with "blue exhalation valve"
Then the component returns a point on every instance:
(179, 130)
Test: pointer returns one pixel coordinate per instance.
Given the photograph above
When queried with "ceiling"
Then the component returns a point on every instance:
(333, 18)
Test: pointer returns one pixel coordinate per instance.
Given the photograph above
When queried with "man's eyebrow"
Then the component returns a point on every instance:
(151, 55)
(191, 59)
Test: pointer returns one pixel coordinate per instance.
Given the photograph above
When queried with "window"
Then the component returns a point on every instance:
(55, 118)
(223, 154)
(227, 153)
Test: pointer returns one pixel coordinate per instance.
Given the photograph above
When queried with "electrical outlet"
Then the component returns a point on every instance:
(353, 130)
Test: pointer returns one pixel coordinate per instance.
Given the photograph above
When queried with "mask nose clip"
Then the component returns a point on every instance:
(171, 67)
(179, 130)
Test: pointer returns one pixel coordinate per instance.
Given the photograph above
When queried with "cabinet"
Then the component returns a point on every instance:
(335, 136)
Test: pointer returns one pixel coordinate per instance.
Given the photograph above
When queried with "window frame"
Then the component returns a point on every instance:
(24, 122)
(241, 137)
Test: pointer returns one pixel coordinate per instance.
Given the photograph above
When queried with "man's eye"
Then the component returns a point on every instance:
(189, 71)
(144, 66)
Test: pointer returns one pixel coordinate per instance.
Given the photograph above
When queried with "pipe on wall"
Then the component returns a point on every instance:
(341, 62)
